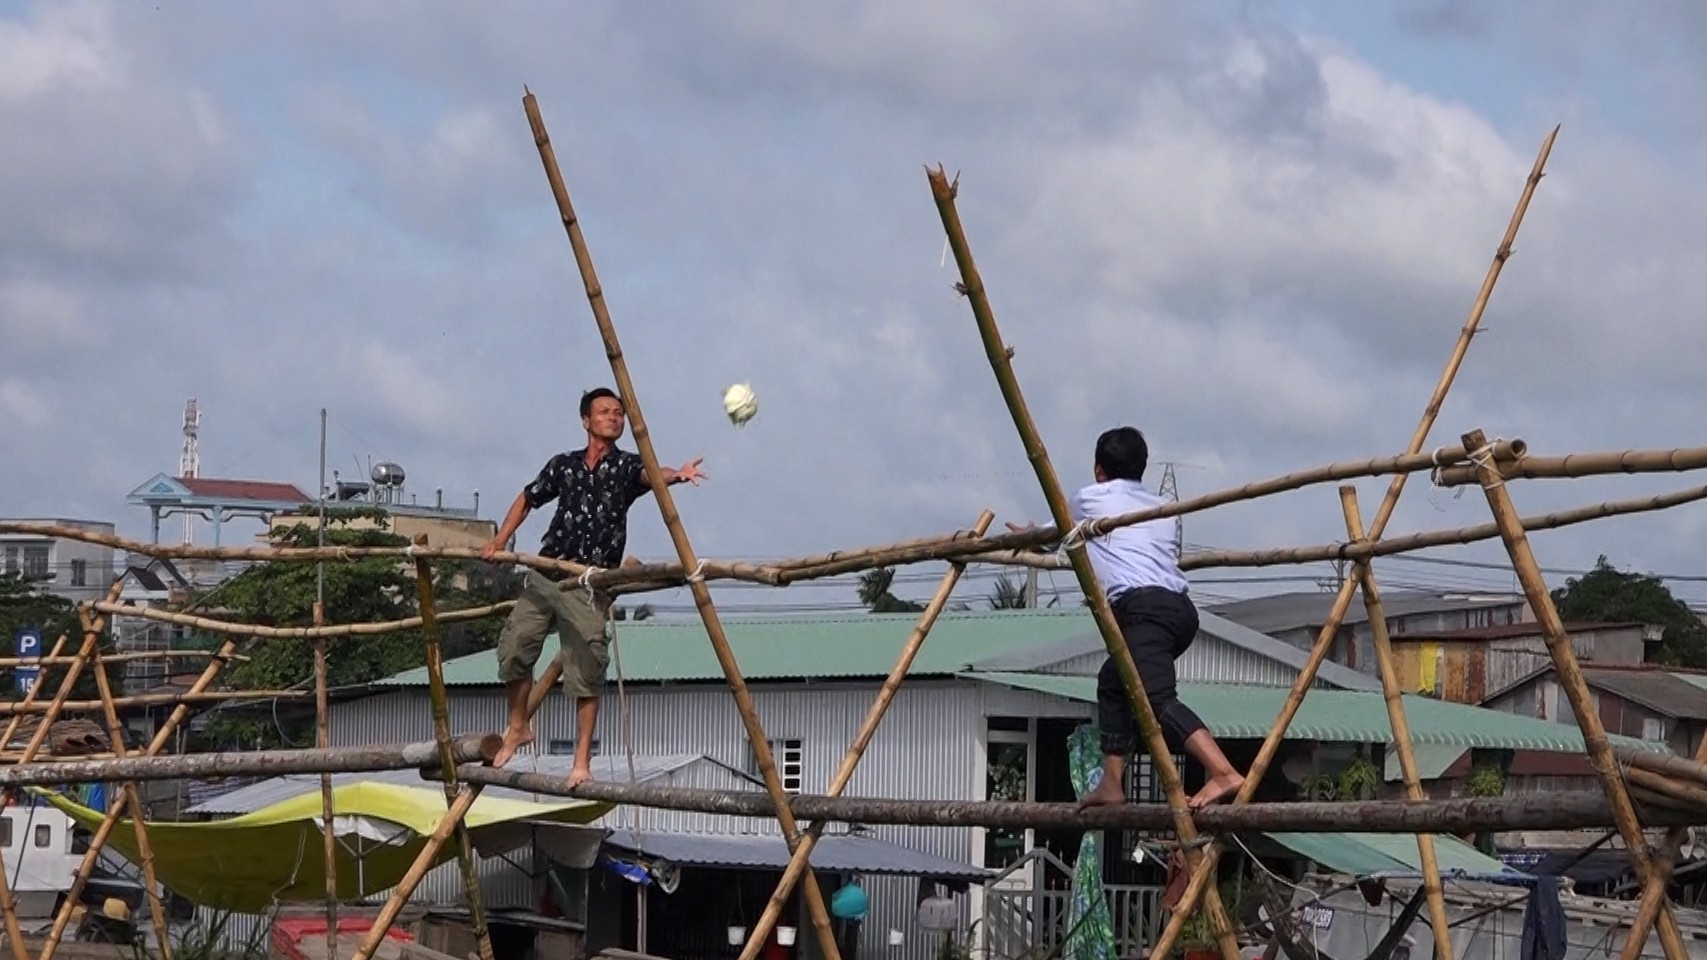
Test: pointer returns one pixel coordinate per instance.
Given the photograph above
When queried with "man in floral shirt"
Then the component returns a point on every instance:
(593, 487)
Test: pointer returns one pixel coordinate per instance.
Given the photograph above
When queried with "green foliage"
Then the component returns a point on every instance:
(1606, 594)
(1486, 780)
(1358, 780)
(23, 603)
(1009, 594)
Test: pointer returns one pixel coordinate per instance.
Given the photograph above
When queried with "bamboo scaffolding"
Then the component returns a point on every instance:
(323, 718)
(474, 749)
(8, 907)
(1668, 764)
(374, 628)
(405, 888)
(447, 763)
(93, 624)
(154, 700)
(672, 521)
(162, 736)
(54, 660)
(1570, 810)
(1654, 890)
(1365, 550)
(1342, 602)
(1000, 358)
(1570, 678)
(1393, 694)
(798, 861)
(1575, 465)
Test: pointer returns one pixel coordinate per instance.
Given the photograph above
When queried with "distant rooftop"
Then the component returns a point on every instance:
(1281, 612)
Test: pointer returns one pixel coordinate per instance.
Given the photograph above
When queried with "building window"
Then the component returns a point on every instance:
(789, 757)
(564, 748)
(35, 561)
(11, 560)
(79, 573)
(44, 834)
(6, 832)
(1653, 728)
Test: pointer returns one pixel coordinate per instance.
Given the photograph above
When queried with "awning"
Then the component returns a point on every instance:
(831, 854)
(1363, 854)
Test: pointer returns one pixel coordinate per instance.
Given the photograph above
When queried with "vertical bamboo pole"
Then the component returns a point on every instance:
(1342, 602)
(139, 820)
(30, 697)
(1364, 574)
(323, 718)
(673, 522)
(1161, 758)
(99, 840)
(1598, 748)
(451, 822)
(441, 732)
(856, 750)
(1654, 890)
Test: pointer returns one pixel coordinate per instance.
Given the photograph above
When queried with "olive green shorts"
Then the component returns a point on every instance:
(580, 624)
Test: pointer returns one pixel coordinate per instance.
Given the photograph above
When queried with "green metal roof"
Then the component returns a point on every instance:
(770, 648)
(1246, 712)
(1362, 854)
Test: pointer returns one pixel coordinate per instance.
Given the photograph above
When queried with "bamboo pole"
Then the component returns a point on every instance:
(1342, 602)
(405, 888)
(8, 906)
(35, 688)
(672, 521)
(856, 750)
(1569, 810)
(298, 633)
(477, 748)
(1365, 550)
(1654, 890)
(440, 700)
(152, 700)
(1688, 793)
(1581, 465)
(93, 624)
(1570, 677)
(54, 660)
(999, 355)
(1668, 764)
(86, 868)
(1439, 923)
(322, 716)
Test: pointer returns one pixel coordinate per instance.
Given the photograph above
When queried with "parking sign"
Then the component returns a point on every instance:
(28, 643)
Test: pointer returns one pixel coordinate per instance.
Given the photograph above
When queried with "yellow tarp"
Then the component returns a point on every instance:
(277, 853)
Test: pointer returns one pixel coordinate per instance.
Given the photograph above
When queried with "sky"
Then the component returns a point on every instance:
(1253, 230)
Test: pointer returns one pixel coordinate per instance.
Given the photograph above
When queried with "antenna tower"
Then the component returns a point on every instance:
(190, 463)
(1170, 491)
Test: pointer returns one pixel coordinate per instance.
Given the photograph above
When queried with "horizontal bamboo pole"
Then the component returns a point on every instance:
(1281, 556)
(1693, 796)
(1669, 764)
(1553, 811)
(214, 625)
(1581, 465)
(471, 749)
(115, 657)
(156, 699)
(638, 572)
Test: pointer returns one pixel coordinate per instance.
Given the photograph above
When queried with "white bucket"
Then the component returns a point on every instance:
(785, 936)
(737, 936)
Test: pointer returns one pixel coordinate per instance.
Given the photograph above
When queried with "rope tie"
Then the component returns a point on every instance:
(586, 582)
(698, 574)
(1077, 536)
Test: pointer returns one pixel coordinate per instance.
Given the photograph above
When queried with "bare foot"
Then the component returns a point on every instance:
(1216, 789)
(1106, 794)
(513, 740)
(578, 776)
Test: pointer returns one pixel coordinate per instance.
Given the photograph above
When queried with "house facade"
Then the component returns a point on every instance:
(73, 569)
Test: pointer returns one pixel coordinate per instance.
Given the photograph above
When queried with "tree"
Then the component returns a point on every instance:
(1606, 594)
(1009, 594)
(24, 604)
(874, 593)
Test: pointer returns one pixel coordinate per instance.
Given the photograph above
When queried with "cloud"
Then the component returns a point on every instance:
(1257, 244)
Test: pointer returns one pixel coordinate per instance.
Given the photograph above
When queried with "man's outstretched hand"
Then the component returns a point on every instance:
(690, 473)
(491, 549)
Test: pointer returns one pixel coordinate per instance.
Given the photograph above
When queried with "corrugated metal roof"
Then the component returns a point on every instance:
(1290, 611)
(831, 854)
(608, 767)
(1362, 854)
(856, 645)
(1242, 712)
(1669, 694)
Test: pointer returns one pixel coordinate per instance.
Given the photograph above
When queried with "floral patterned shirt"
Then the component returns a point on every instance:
(591, 524)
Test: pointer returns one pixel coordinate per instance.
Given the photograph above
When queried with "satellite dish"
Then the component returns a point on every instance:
(667, 875)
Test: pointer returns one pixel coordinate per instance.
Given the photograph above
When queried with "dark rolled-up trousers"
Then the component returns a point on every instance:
(1158, 626)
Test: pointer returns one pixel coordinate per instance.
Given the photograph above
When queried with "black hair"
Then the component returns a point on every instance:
(1122, 454)
(593, 394)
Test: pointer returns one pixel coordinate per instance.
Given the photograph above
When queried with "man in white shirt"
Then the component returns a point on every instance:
(1150, 599)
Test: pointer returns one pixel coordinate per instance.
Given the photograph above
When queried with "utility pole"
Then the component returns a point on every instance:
(1169, 490)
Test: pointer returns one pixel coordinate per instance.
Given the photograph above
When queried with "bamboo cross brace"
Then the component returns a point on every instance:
(8, 907)
(448, 824)
(999, 355)
(93, 624)
(1342, 602)
(1580, 465)
(161, 737)
(673, 522)
(1393, 694)
(856, 750)
(1570, 678)
(149, 699)
(441, 733)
